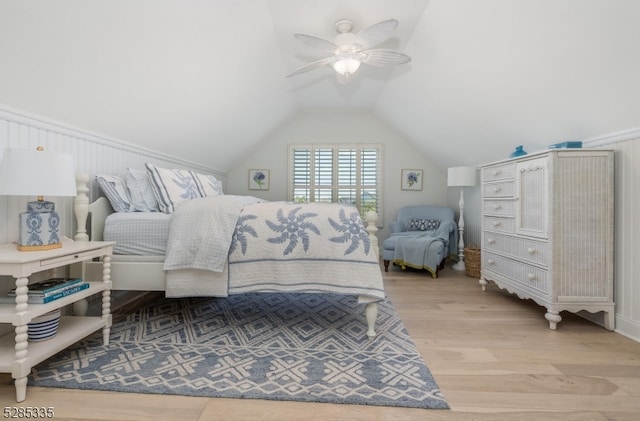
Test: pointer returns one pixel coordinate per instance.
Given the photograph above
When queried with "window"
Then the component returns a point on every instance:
(342, 173)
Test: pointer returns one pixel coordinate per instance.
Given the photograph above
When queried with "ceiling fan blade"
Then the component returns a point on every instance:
(376, 34)
(310, 66)
(383, 57)
(317, 42)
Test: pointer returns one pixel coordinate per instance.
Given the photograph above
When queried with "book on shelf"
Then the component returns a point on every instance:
(42, 299)
(49, 286)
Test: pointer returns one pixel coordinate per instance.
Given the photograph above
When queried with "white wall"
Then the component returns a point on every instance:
(341, 127)
(92, 153)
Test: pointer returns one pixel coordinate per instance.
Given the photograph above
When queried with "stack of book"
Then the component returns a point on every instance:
(48, 290)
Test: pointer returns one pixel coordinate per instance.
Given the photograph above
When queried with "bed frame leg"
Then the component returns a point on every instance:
(371, 313)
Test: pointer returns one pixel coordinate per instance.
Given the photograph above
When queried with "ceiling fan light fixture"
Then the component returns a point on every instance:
(346, 65)
(350, 50)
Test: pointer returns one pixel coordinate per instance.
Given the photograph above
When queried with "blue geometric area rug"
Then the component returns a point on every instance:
(293, 347)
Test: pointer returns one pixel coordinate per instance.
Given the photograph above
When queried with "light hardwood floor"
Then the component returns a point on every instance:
(492, 355)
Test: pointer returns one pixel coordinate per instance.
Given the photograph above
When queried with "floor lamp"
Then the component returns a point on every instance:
(461, 177)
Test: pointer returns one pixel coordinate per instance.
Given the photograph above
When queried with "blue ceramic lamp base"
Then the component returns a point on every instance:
(39, 227)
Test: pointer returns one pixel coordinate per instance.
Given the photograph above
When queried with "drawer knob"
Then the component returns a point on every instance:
(496, 206)
(496, 189)
(531, 276)
(531, 250)
(496, 223)
(490, 261)
(490, 240)
(496, 173)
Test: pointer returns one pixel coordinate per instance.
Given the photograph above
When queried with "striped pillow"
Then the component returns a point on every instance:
(115, 189)
(173, 186)
(143, 199)
(211, 186)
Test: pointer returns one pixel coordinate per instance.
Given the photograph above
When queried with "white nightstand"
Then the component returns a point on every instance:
(17, 355)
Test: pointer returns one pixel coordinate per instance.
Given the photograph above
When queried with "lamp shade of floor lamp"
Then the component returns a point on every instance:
(461, 177)
(37, 173)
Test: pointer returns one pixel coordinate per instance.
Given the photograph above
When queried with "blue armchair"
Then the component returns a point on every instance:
(422, 237)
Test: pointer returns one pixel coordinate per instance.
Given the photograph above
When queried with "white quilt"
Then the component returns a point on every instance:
(273, 246)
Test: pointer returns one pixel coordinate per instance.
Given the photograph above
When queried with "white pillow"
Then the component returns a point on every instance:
(115, 189)
(173, 187)
(141, 192)
(211, 186)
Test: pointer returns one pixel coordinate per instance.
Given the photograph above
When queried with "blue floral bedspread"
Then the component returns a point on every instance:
(275, 247)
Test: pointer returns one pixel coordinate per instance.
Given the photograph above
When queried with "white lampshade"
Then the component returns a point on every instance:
(461, 177)
(36, 173)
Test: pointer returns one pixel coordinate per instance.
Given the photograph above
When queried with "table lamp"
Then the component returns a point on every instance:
(461, 177)
(37, 173)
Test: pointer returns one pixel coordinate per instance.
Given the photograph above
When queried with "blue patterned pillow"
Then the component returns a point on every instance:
(211, 186)
(415, 224)
(173, 187)
(115, 189)
(140, 191)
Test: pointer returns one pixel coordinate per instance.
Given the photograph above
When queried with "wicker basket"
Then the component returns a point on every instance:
(472, 261)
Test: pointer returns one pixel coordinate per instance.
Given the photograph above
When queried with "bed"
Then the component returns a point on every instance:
(224, 245)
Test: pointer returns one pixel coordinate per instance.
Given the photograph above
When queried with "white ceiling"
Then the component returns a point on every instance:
(204, 79)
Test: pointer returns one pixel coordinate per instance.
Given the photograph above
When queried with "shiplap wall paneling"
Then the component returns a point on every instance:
(92, 154)
(627, 243)
(4, 200)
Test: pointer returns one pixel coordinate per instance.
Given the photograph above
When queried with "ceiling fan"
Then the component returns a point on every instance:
(350, 50)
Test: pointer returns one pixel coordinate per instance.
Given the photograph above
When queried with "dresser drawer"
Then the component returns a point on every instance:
(530, 251)
(500, 224)
(522, 273)
(499, 172)
(498, 207)
(499, 189)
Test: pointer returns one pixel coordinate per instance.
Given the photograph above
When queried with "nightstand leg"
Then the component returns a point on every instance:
(106, 299)
(21, 389)
(106, 315)
(21, 348)
(19, 368)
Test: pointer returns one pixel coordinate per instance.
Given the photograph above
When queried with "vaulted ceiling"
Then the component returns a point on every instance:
(205, 79)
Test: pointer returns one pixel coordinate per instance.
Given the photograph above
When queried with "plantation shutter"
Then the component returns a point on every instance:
(323, 175)
(350, 174)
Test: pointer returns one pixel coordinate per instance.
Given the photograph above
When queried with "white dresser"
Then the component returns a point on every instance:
(547, 230)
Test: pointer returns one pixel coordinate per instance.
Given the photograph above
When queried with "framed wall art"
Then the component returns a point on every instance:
(258, 179)
(411, 180)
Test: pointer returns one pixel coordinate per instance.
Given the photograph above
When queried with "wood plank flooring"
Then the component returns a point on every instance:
(492, 354)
